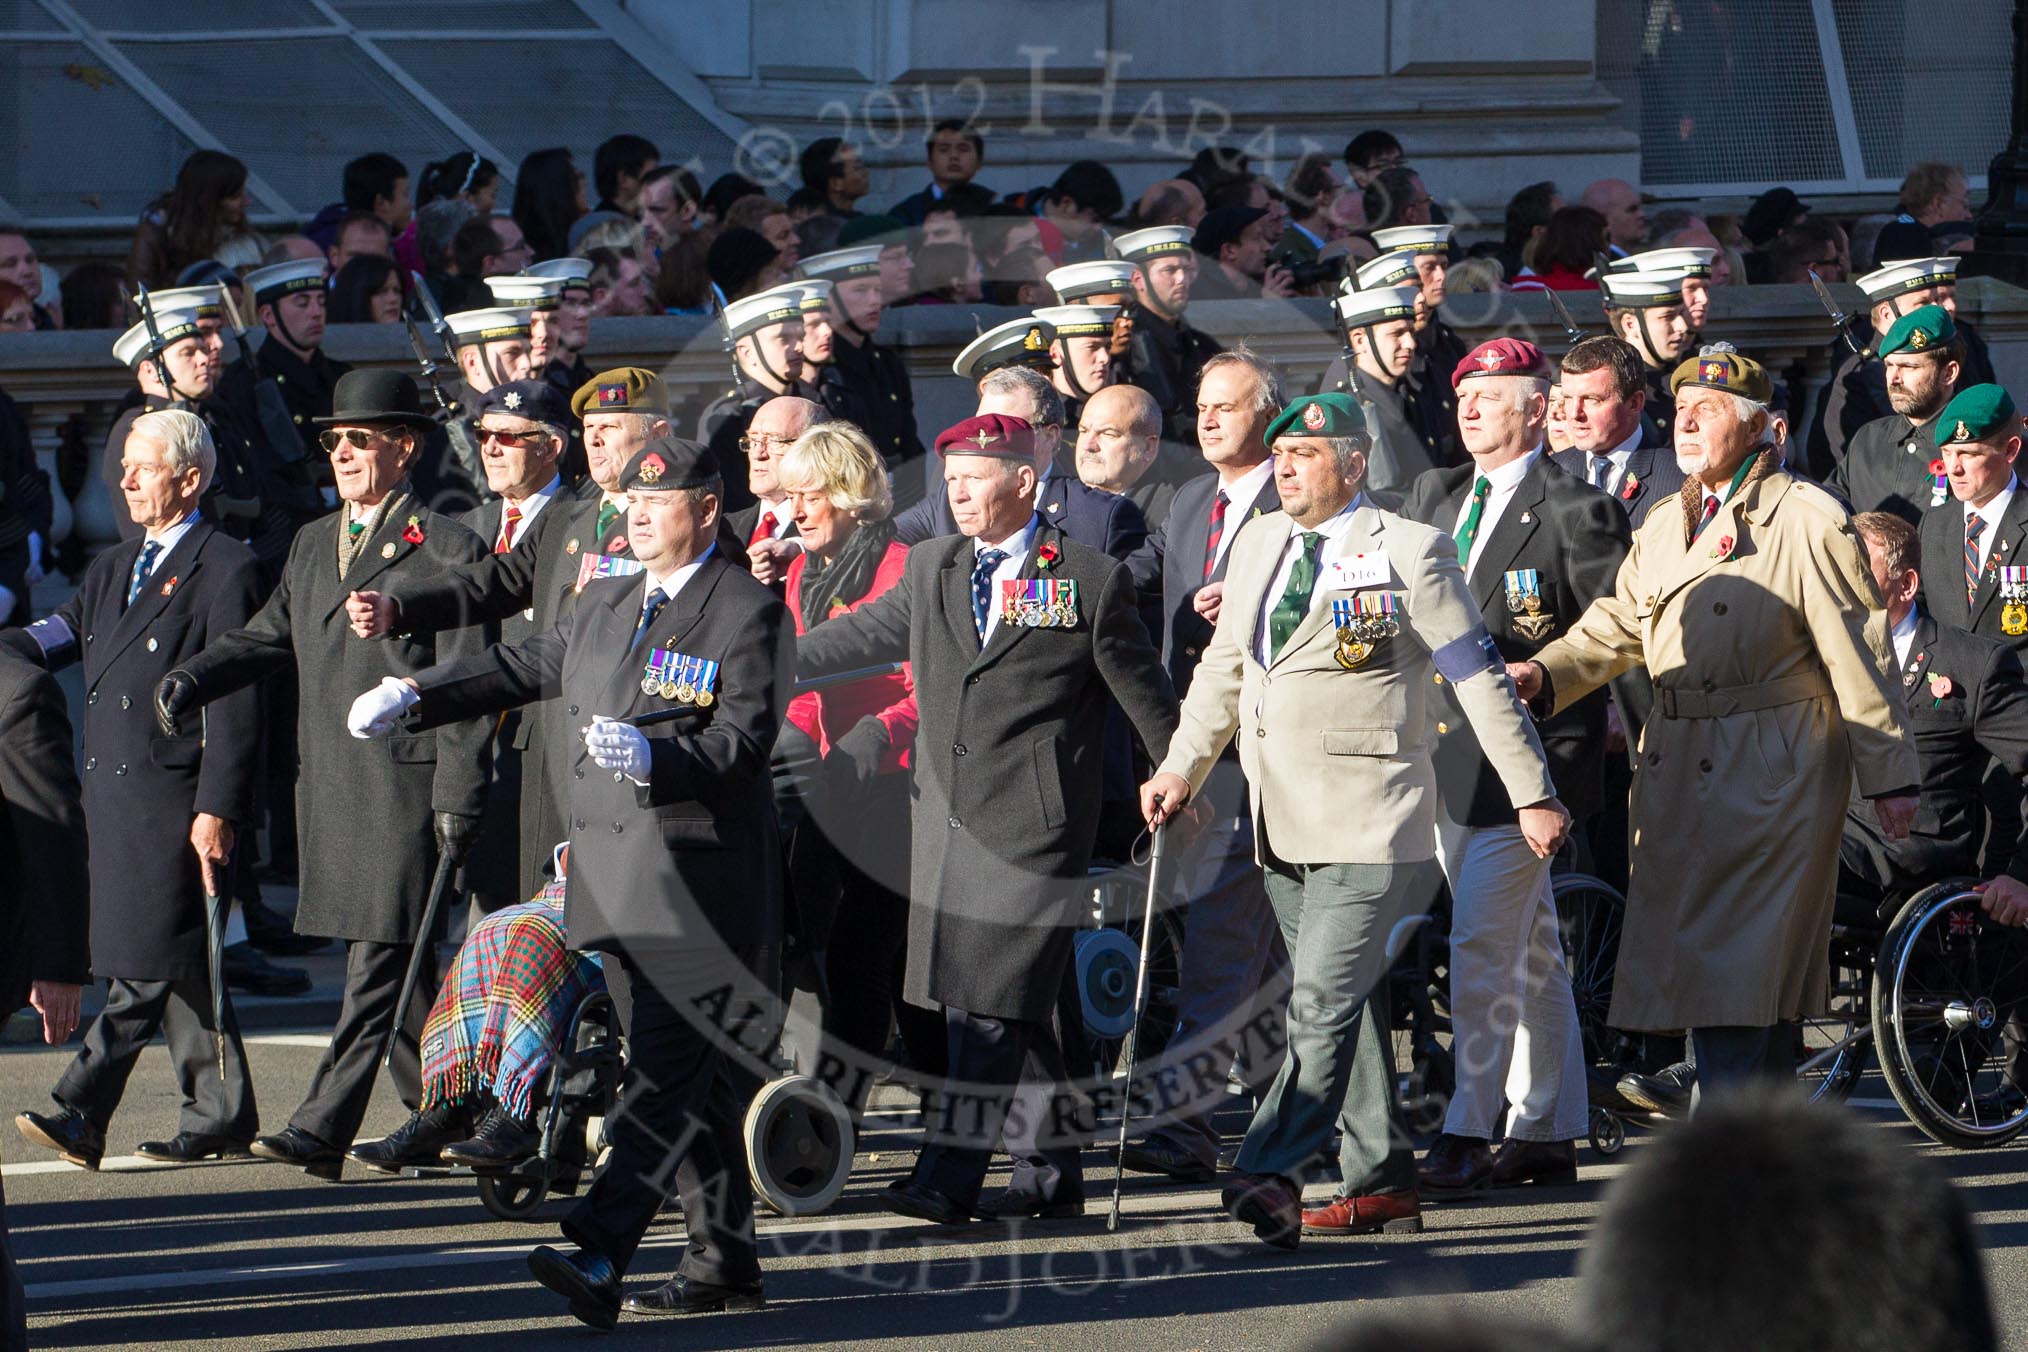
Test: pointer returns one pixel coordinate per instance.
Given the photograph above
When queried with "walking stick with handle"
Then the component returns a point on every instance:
(1155, 834)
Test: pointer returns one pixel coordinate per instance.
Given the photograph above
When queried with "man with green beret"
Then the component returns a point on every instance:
(1973, 557)
(1337, 623)
(1538, 546)
(1887, 464)
(1751, 603)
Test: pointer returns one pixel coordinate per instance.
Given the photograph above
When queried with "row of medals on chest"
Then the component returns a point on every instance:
(1365, 620)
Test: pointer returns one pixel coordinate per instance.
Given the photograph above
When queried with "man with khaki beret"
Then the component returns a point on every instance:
(1752, 605)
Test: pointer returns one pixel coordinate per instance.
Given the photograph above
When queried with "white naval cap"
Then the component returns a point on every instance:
(1382, 303)
(1098, 277)
(131, 347)
(1909, 274)
(1079, 321)
(278, 280)
(763, 309)
(493, 325)
(1141, 246)
(535, 293)
(1018, 342)
(1413, 239)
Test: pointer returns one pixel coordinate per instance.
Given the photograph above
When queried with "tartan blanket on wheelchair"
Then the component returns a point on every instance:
(505, 1005)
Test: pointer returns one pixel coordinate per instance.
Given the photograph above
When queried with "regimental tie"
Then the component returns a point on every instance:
(763, 529)
(1468, 529)
(510, 517)
(1601, 471)
(609, 512)
(982, 587)
(1710, 510)
(1215, 533)
(1288, 613)
(1973, 526)
(144, 566)
(651, 606)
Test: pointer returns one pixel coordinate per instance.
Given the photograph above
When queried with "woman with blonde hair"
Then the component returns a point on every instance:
(838, 491)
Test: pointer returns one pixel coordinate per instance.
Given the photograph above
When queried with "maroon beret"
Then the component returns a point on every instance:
(994, 434)
(1501, 357)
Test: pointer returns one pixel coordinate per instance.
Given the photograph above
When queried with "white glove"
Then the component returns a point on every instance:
(375, 713)
(618, 746)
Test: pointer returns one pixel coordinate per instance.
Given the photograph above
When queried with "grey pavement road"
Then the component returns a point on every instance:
(250, 1255)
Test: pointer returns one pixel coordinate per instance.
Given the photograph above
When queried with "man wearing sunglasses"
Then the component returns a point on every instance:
(380, 814)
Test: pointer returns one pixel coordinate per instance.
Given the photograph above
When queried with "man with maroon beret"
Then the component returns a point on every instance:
(1019, 639)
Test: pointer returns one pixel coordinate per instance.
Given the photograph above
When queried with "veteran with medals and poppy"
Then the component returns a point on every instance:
(1537, 546)
(1018, 639)
(1338, 624)
(669, 687)
(372, 819)
(1751, 604)
(1975, 558)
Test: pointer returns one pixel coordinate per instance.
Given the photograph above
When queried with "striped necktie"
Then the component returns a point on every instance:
(144, 566)
(1710, 510)
(510, 517)
(1973, 528)
(1215, 534)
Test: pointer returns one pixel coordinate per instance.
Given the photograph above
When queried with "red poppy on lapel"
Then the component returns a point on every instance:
(1723, 549)
(413, 532)
(1629, 488)
(169, 587)
(1046, 557)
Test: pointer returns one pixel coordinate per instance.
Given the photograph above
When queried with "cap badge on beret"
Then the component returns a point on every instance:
(651, 468)
(1713, 372)
(1961, 432)
(613, 396)
(1918, 339)
(1314, 417)
(1491, 359)
(981, 440)
(513, 399)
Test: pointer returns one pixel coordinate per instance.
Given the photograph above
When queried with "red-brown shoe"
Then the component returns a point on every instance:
(1456, 1166)
(1551, 1163)
(1392, 1213)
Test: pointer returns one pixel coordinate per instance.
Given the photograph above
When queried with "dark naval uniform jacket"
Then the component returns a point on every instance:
(1165, 358)
(1886, 469)
(141, 787)
(1575, 539)
(363, 808)
(43, 911)
(1007, 761)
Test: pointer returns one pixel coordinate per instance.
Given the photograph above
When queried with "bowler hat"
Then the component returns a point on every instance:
(377, 396)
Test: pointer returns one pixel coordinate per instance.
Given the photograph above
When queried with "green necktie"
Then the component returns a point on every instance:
(1295, 602)
(1468, 529)
(608, 513)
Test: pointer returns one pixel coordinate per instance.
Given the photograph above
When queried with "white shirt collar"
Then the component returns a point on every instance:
(1997, 507)
(1506, 478)
(169, 536)
(531, 506)
(1903, 635)
(672, 584)
(1020, 542)
(1243, 490)
(1619, 454)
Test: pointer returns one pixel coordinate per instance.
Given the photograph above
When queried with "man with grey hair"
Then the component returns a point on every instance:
(767, 524)
(1752, 604)
(1090, 516)
(1537, 546)
(162, 812)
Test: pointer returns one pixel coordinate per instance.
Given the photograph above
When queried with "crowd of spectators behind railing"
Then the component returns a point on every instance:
(663, 242)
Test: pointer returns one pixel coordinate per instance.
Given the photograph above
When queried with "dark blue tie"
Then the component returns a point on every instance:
(143, 567)
(982, 586)
(651, 606)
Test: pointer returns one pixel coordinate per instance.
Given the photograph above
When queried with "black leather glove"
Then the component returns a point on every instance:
(855, 758)
(455, 834)
(174, 697)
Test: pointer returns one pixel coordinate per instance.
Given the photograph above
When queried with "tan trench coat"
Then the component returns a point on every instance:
(1768, 647)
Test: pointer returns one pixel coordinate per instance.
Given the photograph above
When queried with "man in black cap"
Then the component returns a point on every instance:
(1235, 243)
(380, 820)
(1771, 216)
(675, 864)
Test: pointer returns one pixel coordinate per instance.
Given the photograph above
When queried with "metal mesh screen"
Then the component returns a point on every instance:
(147, 16)
(1924, 90)
(585, 91)
(450, 15)
(295, 109)
(24, 16)
(1723, 92)
(74, 140)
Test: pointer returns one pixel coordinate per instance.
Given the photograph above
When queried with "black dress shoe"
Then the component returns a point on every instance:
(1668, 1090)
(246, 970)
(417, 1143)
(1021, 1206)
(680, 1295)
(588, 1280)
(905, 1198)
(499, 1143)
(69, 1133)
(187, 1147)
(1157, 1156)
(317, 1158)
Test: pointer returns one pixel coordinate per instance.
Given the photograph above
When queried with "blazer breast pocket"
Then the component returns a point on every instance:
(166, 634)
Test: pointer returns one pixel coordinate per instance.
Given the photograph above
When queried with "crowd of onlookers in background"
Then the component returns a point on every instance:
(662, 242)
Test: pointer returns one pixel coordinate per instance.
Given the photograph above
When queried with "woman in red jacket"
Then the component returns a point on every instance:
(864, 729)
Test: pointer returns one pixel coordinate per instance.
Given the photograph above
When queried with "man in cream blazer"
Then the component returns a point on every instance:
(1337, 618)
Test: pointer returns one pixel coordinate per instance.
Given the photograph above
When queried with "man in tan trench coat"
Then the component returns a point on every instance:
(1751, 605)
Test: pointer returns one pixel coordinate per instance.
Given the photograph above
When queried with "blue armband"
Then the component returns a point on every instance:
(1467, 655)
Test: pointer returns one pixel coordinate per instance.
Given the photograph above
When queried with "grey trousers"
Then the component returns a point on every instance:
(1336, 920)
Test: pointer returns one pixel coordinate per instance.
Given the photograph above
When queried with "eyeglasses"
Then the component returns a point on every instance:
(536, 435)
(760, 442)
(358, 438)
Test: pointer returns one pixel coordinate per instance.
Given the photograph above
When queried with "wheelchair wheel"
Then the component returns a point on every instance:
(1105, 961)
(512, 1197)
(1589, 916)
(1948, 987)
(1608, 1133)
(798, 1145)
(1832, 1050)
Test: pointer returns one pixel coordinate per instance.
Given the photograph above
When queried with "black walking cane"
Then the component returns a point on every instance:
(440, 883)
(1134, 1028)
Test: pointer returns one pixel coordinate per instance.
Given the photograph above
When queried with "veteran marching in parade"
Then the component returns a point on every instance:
(776, 745)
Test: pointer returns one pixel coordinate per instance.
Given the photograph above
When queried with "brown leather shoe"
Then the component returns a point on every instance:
(1392, 1213)
(1553, 1163)
(1270, 1204)
(1456, 1166)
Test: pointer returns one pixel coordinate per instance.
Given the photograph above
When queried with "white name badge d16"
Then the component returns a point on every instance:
(1358, 570)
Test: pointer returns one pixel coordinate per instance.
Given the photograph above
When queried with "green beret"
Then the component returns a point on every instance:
(1718, 367)
(1974, 414)
(1919, 330)
(1318, 415)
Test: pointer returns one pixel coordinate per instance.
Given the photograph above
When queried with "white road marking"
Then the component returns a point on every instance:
(318, 1040)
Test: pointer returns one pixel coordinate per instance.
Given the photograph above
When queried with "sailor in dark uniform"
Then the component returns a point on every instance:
(1082, 353)
(763, 334)
(567, 370)
(290, 380)
(493, 347)
(1380, 345)
(1646, 309)
(1166, 354)
(822, 381)
(875, 372)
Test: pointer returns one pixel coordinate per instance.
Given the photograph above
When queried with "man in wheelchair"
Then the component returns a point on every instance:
(1967, 702)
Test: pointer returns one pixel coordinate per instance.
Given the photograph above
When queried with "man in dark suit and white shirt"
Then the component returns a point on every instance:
(1605, 392)
(1019, 639)
(675, 863)
(768, 523)
(167, 809)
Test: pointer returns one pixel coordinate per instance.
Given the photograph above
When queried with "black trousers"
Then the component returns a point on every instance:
(1733, 1058)
(343, 1083)
(679, 1125)
(863, 970)
(96, 1079)
(1007, 1086)
(13, 1302)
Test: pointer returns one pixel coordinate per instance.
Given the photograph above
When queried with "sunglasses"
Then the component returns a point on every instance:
(516, 439)
(359, 438)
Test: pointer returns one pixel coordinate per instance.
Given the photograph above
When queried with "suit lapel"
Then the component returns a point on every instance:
(614, 623)
(1918, 662)
(2008, 548)
(1944, 592)
(172, 571)
(380, 552)
(1362, 537)
(1510, 535)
